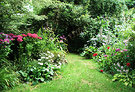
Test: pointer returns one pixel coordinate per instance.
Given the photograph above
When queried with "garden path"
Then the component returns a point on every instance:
(79, 75)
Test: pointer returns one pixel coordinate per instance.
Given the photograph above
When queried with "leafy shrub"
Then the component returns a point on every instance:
(88, 52)
(8, 9)
(44, 69)
(111, 7)
(24, 47)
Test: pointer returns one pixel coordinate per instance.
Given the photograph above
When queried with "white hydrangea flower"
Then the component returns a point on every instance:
(49, 60)
(39, 59)
(42, 57)
(40, 63)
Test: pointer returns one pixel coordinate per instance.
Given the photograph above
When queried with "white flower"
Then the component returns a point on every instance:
(40, 63)
(59, 63)
(52, 60)
(47, 58)
(48, 51)
(42, 57)
(52, 55)
(39, 59)
(47, 70)
(58, 67)
(58, 55)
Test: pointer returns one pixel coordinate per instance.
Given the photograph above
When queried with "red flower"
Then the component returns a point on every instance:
(128, 64)
(95, 54)
(39, 37)
(108, 47)
(101, 70)
(24, 35)
(19, 39)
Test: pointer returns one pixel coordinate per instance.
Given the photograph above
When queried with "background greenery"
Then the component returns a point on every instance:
(78, 26)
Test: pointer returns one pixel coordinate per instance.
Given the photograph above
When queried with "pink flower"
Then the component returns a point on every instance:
(10, 34)
(34, 35)
(61, 40)
(105, 55)
(24, 35)
(125, 41)
(1, 41)
(121, 51)
(115, 54)
(19, 39)
(6, 40)
(29, 34)
(127, 55)
(15, 36)
(125, 50)
(118, 49)
(39, 37)
(19, 36)
(11, 39)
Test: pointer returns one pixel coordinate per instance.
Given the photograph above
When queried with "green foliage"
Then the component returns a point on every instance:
(110, 7)
(44, 69)
(5, 50)
(8, 8)
(88, 52)
(8, 78)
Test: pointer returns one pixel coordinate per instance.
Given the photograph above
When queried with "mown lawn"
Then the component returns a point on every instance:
(79, 75)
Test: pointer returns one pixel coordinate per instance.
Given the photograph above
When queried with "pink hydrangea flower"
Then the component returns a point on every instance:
(29, 34)
(19, 39)
(19, 36)
(34, 35)
(39, 37)
(24, 35)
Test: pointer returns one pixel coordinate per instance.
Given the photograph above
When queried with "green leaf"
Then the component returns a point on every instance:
(126, 83)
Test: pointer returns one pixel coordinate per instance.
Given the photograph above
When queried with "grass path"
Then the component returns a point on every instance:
(79, 75)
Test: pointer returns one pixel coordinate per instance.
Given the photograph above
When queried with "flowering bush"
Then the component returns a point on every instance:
(44, 69)
(117, 62)
(5, 44)
(19, 48)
